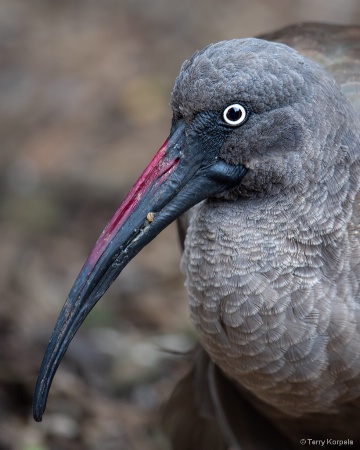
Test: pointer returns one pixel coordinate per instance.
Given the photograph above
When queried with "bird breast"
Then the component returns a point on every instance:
(274, 306)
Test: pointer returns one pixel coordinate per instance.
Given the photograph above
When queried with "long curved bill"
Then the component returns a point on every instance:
(181, 174)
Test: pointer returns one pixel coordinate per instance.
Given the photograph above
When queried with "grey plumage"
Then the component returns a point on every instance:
(272, 267)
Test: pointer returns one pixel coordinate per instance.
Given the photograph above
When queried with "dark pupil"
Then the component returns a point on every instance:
(234, 114)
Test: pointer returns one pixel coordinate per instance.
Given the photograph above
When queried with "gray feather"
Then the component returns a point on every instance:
(272, 267)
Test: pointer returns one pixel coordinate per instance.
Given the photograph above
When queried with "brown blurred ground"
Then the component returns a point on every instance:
(84, 88)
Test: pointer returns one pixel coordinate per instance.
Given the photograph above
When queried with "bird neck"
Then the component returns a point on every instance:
(271, 295)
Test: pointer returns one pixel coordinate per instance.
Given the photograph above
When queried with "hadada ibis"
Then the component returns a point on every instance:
(264, 153)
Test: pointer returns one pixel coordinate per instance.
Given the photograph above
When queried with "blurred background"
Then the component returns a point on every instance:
(84, 91)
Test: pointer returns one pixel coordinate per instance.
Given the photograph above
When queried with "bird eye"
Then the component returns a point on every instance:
(234, 115)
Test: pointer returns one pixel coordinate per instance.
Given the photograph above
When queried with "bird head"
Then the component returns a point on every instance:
(278, 114)
(246, 114)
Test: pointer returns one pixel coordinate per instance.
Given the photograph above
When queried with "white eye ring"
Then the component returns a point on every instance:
(235, 114)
